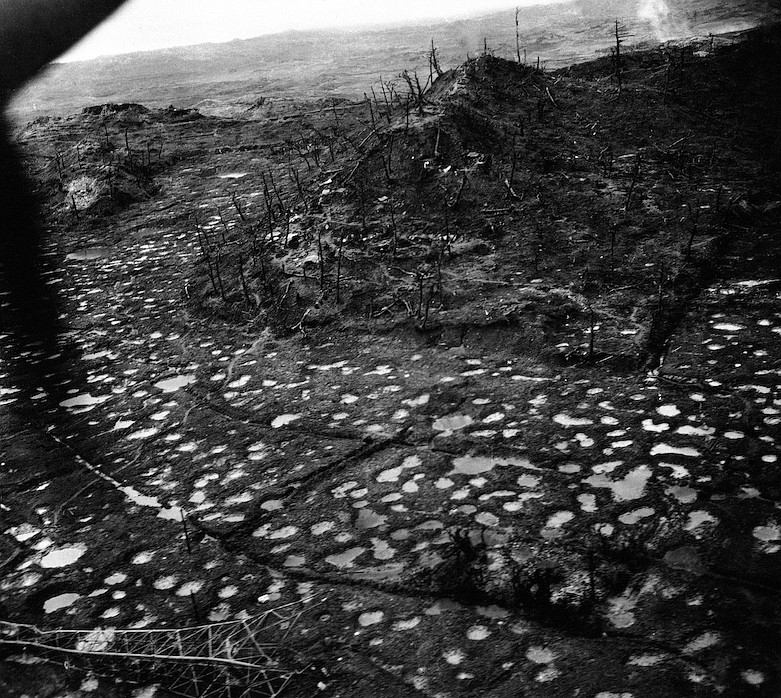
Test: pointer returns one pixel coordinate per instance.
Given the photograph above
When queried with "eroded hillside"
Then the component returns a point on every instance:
(481, 376)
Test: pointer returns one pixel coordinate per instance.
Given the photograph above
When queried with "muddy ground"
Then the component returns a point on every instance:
(477, 383)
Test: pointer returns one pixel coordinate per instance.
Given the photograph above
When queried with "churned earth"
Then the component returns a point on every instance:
(484, 383)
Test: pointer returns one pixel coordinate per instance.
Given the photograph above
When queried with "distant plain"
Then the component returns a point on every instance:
(221, 78)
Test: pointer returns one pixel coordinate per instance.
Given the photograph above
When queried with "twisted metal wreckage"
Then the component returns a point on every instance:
(233, 659)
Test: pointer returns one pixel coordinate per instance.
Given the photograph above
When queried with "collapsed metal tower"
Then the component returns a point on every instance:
(233, 659)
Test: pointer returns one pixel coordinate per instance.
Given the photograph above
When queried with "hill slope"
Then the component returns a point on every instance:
(483, 379)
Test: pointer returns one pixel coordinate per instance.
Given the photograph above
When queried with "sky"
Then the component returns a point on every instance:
(143, 25)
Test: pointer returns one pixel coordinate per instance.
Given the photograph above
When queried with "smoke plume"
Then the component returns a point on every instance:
(664, 22)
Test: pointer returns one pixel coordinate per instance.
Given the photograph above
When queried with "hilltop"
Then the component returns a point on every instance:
(479, 373)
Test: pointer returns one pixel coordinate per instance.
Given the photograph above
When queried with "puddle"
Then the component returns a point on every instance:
(685, 495)
(383, 370)
(85, 400)
(284, 420)
(142, 434)
(689, 430)
(771, 533)
(240, 382)
(702, 642)
(540, 655)
(588, 502)
(486, 518)
(404, 625)
(697, 519)
(567, 469)
(392, 474)
(646, 660)
(474, 465)
(56, 603)
(341, 491)
(559, 519)
(418, 401)
(319, 529)
(370, 618)
(283, 533)
(171, 385)
(493, 612)
(650, 425)
(452, 423)
(632, 517)
(411, 487)
(477, 633)
(678, 471)
(345, 559)
(587, 442)
(189, 588)
(370, 519)
(453, 657)
(382, 550)
(272, 505)
(170, 513)
(666, 450)
(495, 417)
(228, 591)
(165, 583)
(142, 558)
(630, 487)
(753, 677)
(90, 253)
(566, 421)
(23, 532)
(62, 557)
